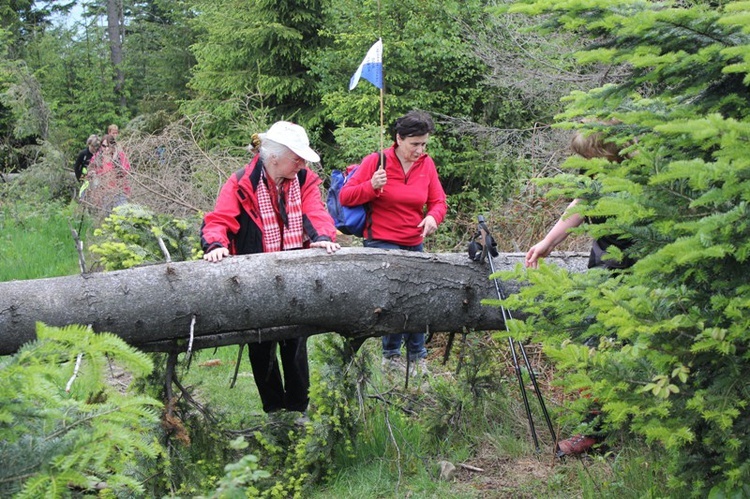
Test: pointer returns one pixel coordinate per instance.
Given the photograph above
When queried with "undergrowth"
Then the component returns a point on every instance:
(36, 243)
(370, 435)
(63, 430)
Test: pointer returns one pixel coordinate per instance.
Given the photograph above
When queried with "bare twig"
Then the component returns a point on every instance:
(75, 373)
(79, 248)
(169, 379)
(237, 366)
(190, 342)
(395, 444)
(471, 468)
(200, 407)
(164, 250)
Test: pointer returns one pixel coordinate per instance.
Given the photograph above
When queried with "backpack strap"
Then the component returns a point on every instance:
(377, 159)
(379, 156)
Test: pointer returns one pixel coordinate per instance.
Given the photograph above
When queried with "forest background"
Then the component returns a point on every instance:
(189, 82)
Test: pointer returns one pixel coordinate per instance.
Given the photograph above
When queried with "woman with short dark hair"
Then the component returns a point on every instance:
(405, 203)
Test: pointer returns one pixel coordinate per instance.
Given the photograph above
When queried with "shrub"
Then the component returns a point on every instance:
(131, 236)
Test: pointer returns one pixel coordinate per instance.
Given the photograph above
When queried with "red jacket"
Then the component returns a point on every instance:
(112, 170)
(396, 210)
(236, 224)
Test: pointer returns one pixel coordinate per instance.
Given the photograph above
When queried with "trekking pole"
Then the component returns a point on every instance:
(488, 251)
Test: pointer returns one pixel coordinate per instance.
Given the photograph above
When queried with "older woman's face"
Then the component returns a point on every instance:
(289, 165)
(413, 147)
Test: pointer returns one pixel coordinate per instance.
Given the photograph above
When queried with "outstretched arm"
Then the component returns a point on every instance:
(555, 236)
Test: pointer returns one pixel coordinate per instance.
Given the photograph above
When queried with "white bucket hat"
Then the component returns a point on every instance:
(294, 137)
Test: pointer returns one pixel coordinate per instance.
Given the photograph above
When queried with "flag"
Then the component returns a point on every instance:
(371, 68)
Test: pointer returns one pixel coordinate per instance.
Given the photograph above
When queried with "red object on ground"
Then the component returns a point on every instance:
(577, 444)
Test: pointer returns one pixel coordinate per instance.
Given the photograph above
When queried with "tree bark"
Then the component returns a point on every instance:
(355, 292)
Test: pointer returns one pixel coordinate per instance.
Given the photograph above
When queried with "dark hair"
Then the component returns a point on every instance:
(109, 139)
(414, 123)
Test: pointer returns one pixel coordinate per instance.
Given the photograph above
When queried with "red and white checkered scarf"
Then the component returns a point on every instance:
(276, 235)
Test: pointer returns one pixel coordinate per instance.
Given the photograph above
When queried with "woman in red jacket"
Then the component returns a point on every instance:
(406, 203)
(273, 204)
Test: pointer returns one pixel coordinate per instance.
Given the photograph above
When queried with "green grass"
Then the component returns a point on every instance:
(211, 374)
(36, 245)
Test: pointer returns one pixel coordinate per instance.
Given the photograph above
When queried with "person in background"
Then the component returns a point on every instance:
(588, 146)
(81, 165)
(406, 203)
(109, 185)
(273, 204)
(113, 130)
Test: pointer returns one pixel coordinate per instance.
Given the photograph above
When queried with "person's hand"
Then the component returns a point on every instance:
(539, 250)
(329, 246)
(429, 226)
(378, 179)
(216, 254)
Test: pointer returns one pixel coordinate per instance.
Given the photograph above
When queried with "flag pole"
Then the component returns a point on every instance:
(371, 69)
(382, 92)
(382, 126)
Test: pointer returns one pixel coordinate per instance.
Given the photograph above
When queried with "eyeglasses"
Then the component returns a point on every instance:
(298, 161)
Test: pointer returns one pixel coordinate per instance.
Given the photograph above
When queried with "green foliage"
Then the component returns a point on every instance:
(24, 116)
(256, 46)
(240, 476)
(62, 427)
(157, 50)
(77, 82)
(72, 64)
(47, 179)
(130, 237)
(307, 455)
(668, 336)
(253, 52)
(36, 243)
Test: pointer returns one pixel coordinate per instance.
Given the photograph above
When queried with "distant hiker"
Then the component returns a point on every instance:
(406, 204)
(108, 176)
(592, 145)
(84, 157)
(273, 204)
(113, 130)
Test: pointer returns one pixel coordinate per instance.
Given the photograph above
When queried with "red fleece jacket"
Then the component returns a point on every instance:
(396, 210)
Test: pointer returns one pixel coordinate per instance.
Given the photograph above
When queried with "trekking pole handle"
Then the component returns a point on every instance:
(490, 246)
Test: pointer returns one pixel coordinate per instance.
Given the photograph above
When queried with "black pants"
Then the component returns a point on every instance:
(292, 394)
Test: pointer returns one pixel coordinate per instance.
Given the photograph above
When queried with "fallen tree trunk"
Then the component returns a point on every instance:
(356, 292)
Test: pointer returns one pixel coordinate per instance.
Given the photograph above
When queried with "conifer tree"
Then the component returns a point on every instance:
(250, 55)
(670, 363)
(63, 429)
